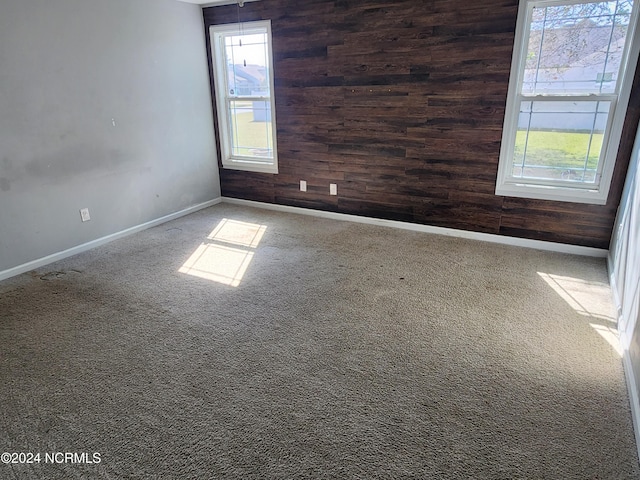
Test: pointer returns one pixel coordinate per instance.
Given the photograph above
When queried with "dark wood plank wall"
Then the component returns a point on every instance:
(401, 103)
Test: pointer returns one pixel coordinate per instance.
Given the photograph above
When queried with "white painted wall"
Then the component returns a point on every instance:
(105, 105)
(624, 268)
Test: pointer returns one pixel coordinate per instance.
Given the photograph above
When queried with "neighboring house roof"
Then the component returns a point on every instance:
(598, 57)
(583, 44)
(576, 58)
(251, 74)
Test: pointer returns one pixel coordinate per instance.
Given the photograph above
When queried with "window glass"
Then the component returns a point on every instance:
(244, 95)
(565, 111)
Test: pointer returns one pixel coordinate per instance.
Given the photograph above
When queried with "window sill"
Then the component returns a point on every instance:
(250, 166)
(558, 194)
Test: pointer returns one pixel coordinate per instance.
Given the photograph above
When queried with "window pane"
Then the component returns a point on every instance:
(245, 104)
(247, 59)
(576, 49)
(251, 127)
(560, 141)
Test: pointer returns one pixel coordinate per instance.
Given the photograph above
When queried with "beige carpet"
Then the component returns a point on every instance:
(242, 343)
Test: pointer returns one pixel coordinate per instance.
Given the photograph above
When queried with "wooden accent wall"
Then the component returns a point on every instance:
(401, 103)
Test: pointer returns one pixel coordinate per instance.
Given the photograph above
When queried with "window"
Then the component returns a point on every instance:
(243, 77)
(571, 75)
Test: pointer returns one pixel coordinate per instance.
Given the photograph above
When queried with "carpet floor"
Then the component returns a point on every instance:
(239, 343)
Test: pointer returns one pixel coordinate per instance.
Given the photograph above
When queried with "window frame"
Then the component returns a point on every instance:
(220, 78)
(507, 184)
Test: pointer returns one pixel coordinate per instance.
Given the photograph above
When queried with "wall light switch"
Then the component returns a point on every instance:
(84, 214)
(303, 185)
(333, 189)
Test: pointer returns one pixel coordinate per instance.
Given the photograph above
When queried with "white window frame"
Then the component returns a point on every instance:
(229, 160)
(597, 193)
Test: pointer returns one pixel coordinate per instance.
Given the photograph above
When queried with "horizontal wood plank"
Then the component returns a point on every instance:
(402, 104)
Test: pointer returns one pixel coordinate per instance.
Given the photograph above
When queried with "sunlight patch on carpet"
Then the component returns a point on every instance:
(610, 334)
(226, 253)
(589, 299)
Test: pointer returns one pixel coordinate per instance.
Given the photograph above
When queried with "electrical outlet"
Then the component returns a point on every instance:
(84, 214)
(333, 189)
(303, 185)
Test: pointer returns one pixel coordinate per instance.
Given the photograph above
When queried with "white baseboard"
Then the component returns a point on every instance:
(486, 237)
(451, 232)
(632, 387)
(40, 262)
